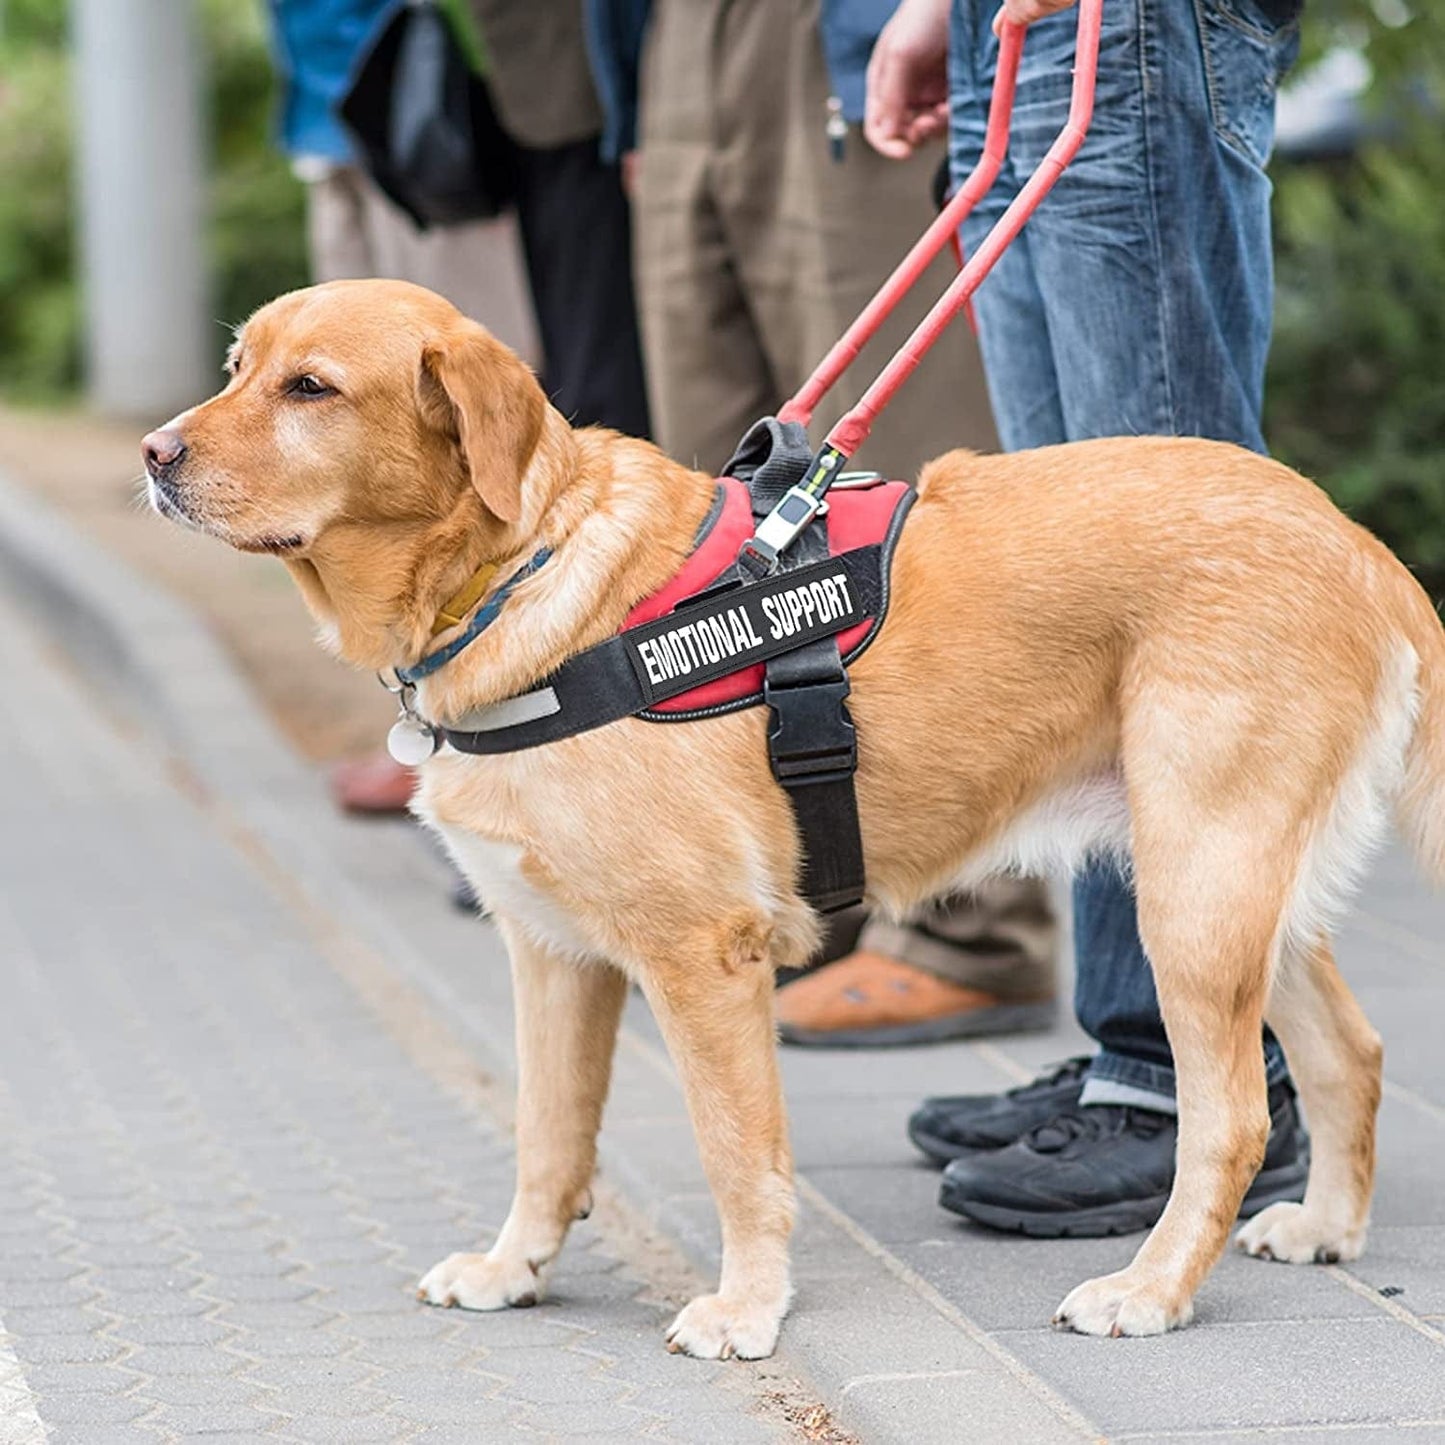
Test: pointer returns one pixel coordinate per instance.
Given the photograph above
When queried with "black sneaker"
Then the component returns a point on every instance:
(1107, 1169)
(947, 1128)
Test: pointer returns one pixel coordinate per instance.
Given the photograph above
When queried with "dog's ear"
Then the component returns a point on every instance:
(475, 387)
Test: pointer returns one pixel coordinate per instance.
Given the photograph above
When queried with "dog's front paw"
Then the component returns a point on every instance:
(715, 1328)
(1122, 1304)
(1289, 1232)
(481, 1282)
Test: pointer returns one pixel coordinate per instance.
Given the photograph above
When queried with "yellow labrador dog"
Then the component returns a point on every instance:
(1170, 649)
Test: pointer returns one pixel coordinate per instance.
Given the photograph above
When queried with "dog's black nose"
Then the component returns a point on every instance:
(163, 451)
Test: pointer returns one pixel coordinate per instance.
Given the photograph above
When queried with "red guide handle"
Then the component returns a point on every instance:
(850, 432)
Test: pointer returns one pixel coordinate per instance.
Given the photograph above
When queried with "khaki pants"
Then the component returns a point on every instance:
(755, 248)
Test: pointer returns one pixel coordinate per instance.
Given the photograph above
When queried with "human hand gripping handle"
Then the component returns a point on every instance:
(907, 98)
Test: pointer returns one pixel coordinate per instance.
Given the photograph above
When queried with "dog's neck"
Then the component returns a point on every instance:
(619, 530)
(618, 516)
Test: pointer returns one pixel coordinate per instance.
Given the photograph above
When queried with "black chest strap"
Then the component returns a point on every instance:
(813, 752)
(812, 745)
(721, 632)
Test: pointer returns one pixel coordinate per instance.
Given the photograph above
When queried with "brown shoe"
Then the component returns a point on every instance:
(868, 999)
(373, 785)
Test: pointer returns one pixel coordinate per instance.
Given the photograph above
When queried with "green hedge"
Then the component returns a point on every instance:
(39, 308)
(1356, 395)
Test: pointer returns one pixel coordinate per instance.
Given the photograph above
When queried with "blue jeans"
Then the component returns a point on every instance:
(1137, 300)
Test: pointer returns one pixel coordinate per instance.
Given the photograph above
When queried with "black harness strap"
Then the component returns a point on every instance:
(697, 643)
(813, 749)
(812, 744)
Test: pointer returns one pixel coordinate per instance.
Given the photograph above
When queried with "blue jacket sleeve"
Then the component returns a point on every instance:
(316, 45)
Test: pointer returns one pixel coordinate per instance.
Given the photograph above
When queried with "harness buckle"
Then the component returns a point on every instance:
(812, 739)
(796, 508)
(756, 559)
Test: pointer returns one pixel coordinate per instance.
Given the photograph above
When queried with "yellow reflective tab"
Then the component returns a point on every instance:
(455, 608)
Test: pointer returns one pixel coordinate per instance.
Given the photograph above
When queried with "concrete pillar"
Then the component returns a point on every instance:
(141, 200)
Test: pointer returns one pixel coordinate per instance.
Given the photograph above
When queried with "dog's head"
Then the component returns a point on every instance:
(365, 425)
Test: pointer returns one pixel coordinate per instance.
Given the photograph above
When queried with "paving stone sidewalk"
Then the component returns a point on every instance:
(253, 1080)
(220, 1174)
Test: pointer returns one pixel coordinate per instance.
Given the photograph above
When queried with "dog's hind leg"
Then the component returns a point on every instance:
(1334, 1053)
(714, 1006)
(567, 1017)
(1335, 1057)
(1210, 901)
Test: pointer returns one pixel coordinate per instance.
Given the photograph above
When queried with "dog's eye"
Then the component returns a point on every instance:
(311, 386)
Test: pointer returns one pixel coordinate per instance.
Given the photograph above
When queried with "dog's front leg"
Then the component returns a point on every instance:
(715, 1010)
(567, 1016)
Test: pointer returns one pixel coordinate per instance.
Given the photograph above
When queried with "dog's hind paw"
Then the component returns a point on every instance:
(481, 1282)
(1290, 1233)
(1116, 1304)
(715, 1328)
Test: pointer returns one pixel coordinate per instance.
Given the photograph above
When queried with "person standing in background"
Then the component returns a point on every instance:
(1137, 301)
(573, 216)
(576, 226)
(352, 229)
(571, 211)
(764, 224)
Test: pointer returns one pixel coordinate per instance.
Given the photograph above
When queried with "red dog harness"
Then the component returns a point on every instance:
(859, 514)
(713, 641)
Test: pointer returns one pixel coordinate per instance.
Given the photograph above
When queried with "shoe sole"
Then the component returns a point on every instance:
(1004, 1018)
(1285, 1184)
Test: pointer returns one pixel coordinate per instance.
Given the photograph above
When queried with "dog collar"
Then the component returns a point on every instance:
(482, 619)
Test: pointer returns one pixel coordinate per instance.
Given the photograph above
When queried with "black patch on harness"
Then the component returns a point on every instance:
(744, 626)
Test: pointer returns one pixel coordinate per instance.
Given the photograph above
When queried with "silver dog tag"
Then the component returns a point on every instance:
(411, 741)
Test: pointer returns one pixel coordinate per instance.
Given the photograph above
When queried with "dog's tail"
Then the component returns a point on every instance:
(1420, 808)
